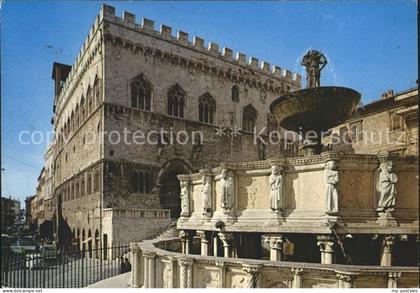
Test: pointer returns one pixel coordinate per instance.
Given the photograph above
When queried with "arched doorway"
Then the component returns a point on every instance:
(169, 188)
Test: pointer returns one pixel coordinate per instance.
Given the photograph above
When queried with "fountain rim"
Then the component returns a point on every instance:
(291, 95)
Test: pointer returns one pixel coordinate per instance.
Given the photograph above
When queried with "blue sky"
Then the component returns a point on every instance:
(371, 46)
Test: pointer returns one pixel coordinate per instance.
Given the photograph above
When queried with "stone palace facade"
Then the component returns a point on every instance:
(130, 77)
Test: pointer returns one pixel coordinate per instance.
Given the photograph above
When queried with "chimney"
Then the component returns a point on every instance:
(388, 94)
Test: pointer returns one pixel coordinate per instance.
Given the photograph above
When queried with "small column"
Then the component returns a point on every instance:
(188, 244)
(185, 241)
(185, 272)
(344, 280)
(297, 277)
(145, 271)
(136, 276)
(222, 266)
(204, 243)
(393, 279)
(226, 239)
(215, 243)
(253, 275)
(275, 243)
(149, 269)
(386, 250)
(182, 236)
(326, 247)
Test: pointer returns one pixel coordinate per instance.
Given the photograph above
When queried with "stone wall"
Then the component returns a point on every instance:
(132, 50)
(389, 124)
(132, 225)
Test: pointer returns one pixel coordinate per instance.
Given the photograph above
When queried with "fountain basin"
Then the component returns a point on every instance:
(317, 108)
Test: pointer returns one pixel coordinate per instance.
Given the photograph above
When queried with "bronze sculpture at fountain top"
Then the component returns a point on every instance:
(314, 61)
(315, 109)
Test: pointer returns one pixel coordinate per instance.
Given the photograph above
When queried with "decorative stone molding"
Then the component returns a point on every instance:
(222, 267)
(344, 280)
(331, 156)
(297, 277)
(262, 83)
(253, 213)
(393, 279)
(252, 279)
(256, 273)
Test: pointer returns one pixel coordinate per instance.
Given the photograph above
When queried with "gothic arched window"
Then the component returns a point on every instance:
(147, 182)
(96, 92)
(89, 100)
(206, 108)
(76, 117)
(82, 110)
(72, 122)
(141, 93)
(249, 118)
(176, 101)
(141, 181)
(68, 127)
(134, 181)
(235, 93)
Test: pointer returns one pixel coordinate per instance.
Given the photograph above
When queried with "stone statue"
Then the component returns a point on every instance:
(185, 199)
(167, 276)
(206, 194)
(276, 180)
(227, 189)
(314, 62)
(331, 176)
(387, 190)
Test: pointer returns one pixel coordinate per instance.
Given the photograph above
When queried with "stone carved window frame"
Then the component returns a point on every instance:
(356, 136)
(89, 101)
(396, 121)
(82, 115)
(235, 93)
(89, 185)
(181, 106)
(141, 181)
(96, 186)
(142, 81)
(97, 92)
(248, 111)
(207, 108)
